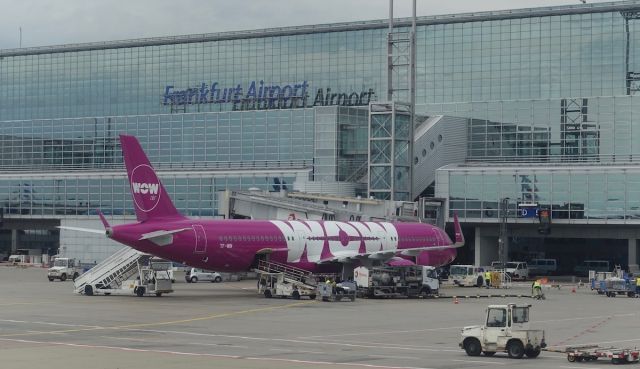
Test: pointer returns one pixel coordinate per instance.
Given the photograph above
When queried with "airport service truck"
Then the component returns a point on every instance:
(466, 275)
(64, 268)
(404, 281)
(506, 330)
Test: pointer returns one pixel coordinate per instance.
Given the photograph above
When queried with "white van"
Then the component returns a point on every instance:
(517, 270)
(587, 265)
(543, 266)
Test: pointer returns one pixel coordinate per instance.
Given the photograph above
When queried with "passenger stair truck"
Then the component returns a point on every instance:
(506, 330)
(282, 280)
(405, 281)
(127, 271)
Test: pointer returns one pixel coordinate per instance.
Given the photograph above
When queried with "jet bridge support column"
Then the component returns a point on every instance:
(486, 248)
(633, 255)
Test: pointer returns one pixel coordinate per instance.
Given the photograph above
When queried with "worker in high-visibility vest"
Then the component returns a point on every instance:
(536, 288)
(638, 286)
(487, 278)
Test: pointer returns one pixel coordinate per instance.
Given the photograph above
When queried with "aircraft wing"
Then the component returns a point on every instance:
(161, 237)
(385, 255)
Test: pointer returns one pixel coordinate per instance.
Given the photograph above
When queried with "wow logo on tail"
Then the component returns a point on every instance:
(145, 187)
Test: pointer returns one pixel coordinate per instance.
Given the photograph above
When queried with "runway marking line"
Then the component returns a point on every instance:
(25, 303)
(331, 343)
(460, 327)
(129, 326)
(77, 345)
(479, 362)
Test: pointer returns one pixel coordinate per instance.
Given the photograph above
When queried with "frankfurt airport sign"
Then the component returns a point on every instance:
(257, 95)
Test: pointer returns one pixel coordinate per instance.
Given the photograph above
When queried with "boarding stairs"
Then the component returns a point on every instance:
(505, 279)
(110, 273)
(291, 274)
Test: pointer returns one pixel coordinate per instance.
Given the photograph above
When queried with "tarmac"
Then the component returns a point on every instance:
(228, 325)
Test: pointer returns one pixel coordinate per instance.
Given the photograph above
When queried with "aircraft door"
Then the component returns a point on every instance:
(201, 239)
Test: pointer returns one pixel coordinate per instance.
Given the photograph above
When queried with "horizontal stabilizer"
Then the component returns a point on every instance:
(161, 237)
(87, 230)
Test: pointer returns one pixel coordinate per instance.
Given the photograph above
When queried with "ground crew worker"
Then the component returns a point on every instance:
(638, 286)
(536, 288)
(487, 278)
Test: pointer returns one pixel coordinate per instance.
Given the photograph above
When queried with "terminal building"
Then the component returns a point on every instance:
(517, 113)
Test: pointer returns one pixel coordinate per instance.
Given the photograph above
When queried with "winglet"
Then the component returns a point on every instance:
(459, 237)
(103, 220)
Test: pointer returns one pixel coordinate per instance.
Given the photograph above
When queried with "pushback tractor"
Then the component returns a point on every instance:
(506, 330)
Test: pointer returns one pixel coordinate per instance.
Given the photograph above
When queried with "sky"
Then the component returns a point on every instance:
(56, 22)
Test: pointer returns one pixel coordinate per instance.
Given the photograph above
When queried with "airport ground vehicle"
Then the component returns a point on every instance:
(598, 265)
(195, 275)
(336, 292)
(543, 266)
(517, 270)
(154, 278)
(126, 272)
(591, 353)
(405, 281)
(281, 280)
(506, 330)
(611, 287)
(279, 285)
(466, 275)
(63, 269)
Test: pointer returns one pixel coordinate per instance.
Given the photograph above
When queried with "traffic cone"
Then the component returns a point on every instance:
(573, 289)
(455, 300)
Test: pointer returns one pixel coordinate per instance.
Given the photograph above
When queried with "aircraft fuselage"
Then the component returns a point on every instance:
(232, 245)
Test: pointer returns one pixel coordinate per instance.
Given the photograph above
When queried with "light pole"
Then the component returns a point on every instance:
(502, 237)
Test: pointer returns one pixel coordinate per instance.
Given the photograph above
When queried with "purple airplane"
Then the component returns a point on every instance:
(235, 245)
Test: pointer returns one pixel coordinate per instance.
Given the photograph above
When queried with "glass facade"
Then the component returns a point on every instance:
(81, 195)
(574, 194)
(78, 162)
(556, 85)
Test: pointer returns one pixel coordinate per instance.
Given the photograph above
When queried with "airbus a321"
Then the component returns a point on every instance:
(231, 245)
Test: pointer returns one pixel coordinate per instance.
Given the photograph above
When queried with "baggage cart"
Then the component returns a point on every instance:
(592, 353)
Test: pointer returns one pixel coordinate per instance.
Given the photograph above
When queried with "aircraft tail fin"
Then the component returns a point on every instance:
(457, 230)
(150, 199)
